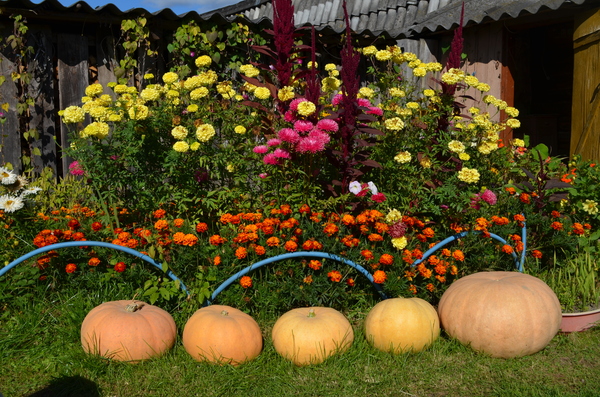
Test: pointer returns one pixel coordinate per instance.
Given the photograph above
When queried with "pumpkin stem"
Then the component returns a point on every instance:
(133, 307)
(311, 312)
(224, 313)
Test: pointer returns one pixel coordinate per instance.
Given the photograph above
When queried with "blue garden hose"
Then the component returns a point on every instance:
(301, 254)
(91, 244)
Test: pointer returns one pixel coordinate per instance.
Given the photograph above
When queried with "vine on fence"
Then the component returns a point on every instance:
(136, 35)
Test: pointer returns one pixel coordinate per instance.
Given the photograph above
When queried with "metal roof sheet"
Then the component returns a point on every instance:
(394, 18)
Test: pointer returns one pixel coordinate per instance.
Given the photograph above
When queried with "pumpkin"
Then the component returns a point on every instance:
(223, 335)
(399, 325)
(127, 330)
(504, 314)
(309, 335)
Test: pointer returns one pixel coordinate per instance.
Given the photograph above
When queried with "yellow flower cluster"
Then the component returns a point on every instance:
(286, 94)
(394, 124)
(456, 146)
(249, 70)
(306, 108)
(262, 93)
(179, 132)
(203, 61)
(403, 157)
(468, 175)
(205, 132)
(96, 129)
(73, 114)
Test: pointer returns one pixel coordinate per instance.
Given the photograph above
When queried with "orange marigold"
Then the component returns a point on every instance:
(430, 287)
(379, 277)
(350, 282)
(260, 250)
(507, 249)
(217, 260)
(160, 213)
(246, 282)
(304, 209)
(315, 264)
(330, 229)
(94, 261)
(70, 268)
(458, 255)
(375, 237)
(334, 276)
(308, 279)
(412, 289)
(348, 220)
(290, 246)
(368, 255)
(386, 259)
(201, 227)
(536, 254)
(161, 224)
(216, 240)
(428, 232)
(273, 242)
(178, 222)
(241, 253)
(120, 267)
(556, 225)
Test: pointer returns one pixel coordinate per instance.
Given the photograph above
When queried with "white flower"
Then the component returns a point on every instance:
(7, 176)
(355, 187)
(11, 204)
(372, 188)
(30, 191)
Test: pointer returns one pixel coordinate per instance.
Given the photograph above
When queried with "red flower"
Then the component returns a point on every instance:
(379, 277)
(201, 227)
(507, 249)
(96, 226)
(120, 267)
(536, 254)
(556, 225)
(70, 268)
(314, 264)
(378, 198)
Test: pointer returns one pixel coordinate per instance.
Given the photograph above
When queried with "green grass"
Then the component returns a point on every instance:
(41, 355)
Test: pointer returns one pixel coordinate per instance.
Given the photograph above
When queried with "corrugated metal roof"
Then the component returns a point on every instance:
(395, 18)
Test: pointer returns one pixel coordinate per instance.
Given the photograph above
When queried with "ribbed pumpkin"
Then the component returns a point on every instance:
(399, 325)
(127, 330)
(309, 335)
(504, 314)
(223, 335)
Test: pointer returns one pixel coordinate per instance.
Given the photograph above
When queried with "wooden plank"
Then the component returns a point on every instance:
(585, 123)
(10, 137)
(106, 59)
(72, 52)
(42, 89)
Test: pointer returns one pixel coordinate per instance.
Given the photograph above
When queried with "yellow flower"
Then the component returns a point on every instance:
(486, 147)
(310, 65)
(330, 83)
(192, 83)
(181, 146)
(121, 89)
(393, 216)
(240, 129)
(262, 92)
(366, 92)
(230, 168)
(179, 132)
(468, 175)
(518, 142)
(472, 81)
(193, 108)
(306, 108)
(483, 87)
(138, 112)
(209, 77)
(330, 66)
(428, 92)
(383, 55)
(397, 92)
(202, 61)
(170, 77)
(394, 124)
(425, 162)
(419, 71)
(93, 90)
(512, 112)
(73, 114)
(249, 70)
(513, 123)
(464, 156)
(590, 206)
(195, 146)
(198, 93)
(148, 76)
(399, 242)
(412, 105)
(403, 157)
(370, 50)
(473, 110)
(205, 132)
(286, 94)
(456, 146)
(96, 129)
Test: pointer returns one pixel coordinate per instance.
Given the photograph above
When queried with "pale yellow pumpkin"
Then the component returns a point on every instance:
(222, 335)
(504, 314)
(127, 330)
(399, 325)
(309, 335)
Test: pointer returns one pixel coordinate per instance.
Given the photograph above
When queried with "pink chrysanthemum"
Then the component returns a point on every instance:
(270, 159)
(320, 136)
(303, 126)
(260, 149)
(309, 144)
(76, 169)
(263, 175)
(281, 153)
(289, 116)
(337, 99)
(375, 110)
(328, 125)
(288, 135)
(274, 142)
(364, 102)
(489, 197)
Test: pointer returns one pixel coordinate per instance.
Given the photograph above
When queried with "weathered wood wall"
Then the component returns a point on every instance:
(585, 125)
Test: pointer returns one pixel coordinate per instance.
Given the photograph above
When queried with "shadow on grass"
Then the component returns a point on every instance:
(69, 386)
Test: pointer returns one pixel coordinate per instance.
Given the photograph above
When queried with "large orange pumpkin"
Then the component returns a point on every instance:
(127, 330)
(399, 325)
(223, 335)
(504, 314)
(309, 335)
